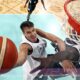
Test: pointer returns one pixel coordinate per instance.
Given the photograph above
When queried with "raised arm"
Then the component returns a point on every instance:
(52, 38)
(26, 3)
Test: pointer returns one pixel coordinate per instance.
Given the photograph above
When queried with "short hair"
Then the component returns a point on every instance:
(26, 24)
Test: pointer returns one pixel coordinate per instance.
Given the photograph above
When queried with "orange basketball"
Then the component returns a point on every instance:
(8, 54)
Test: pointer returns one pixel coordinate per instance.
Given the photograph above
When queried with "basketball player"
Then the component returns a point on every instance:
(33, 45)
(72, 46)
(31, 6)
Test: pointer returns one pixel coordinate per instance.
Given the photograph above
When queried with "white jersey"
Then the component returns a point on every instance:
(38, 51)
(73, 42)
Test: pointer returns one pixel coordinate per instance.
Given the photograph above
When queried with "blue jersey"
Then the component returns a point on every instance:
(33, 1)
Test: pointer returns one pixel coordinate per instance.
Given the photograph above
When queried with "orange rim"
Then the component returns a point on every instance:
(75, 24)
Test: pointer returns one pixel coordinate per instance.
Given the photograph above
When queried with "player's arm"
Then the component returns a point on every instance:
(52, 38)
(22, 55)
(26, 3)
(66, 64)
(43, 4)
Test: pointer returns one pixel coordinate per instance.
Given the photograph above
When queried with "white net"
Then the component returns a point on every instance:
(74, 9)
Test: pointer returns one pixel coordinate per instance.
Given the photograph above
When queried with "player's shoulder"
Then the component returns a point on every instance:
(25, 45)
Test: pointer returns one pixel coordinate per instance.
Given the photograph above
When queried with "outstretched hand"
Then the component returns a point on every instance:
(46, 66)
(44, 63)
(69, 67)
(45, 9)
(25, 6)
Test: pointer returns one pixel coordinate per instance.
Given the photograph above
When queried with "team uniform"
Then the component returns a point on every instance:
(72, 45)
(73, 42)
(30, 64)
(32, 5)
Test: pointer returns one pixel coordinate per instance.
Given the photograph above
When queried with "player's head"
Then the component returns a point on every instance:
(29, 31)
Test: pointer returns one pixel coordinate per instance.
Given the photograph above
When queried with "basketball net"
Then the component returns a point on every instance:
(71, 27)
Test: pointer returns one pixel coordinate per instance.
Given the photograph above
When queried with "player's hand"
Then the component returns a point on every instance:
(44, 63)
(25, 6)
(69, 67)
(45, 9)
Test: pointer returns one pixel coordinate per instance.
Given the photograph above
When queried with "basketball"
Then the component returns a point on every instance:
(8, 54)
